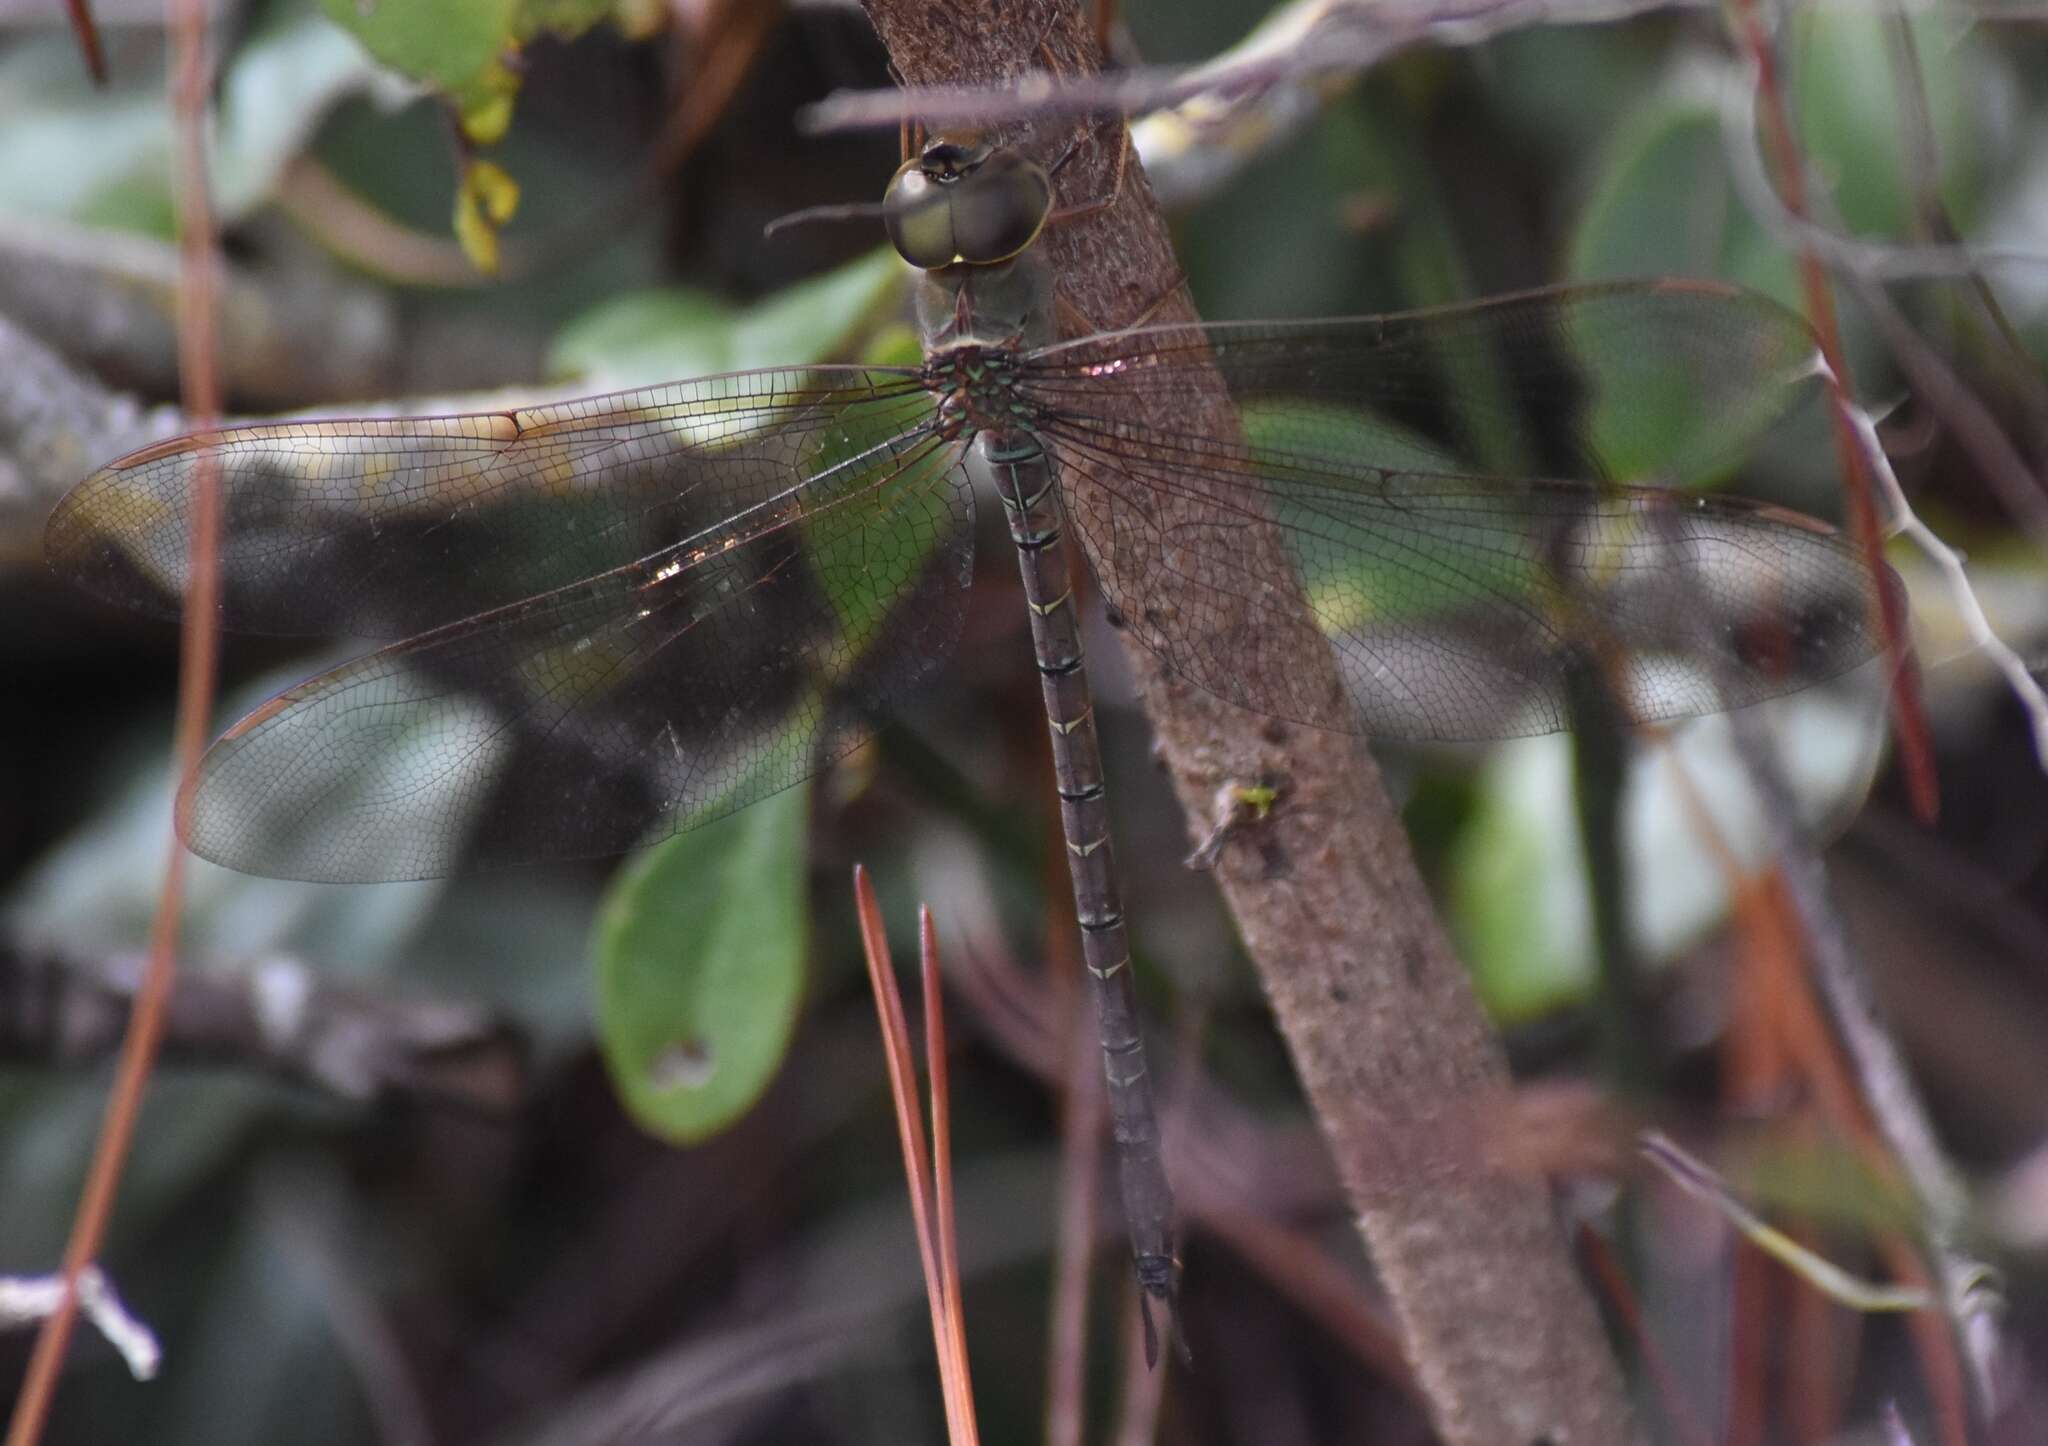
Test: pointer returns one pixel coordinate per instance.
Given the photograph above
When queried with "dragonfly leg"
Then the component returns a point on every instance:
(1073, 321)
(1105, 25)
(908, 129)
(1116, 185)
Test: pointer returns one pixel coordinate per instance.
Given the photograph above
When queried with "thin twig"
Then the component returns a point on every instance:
(28, 1298)
(190, 87)
(953, 1351)
(1776, 937)
(1308, 40)
(1822, 1274)
(1972, 1308)
(934, 1236)
(1671, 1396)
(1886, 1085)
(1916, 748)
(2026, 690)
(1862, 267)
(88, 33)
(1238, 1173)
(1797, 1033)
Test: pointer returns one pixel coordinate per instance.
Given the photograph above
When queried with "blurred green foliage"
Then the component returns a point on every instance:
(643, 337)
(102, 157)
(469, 53)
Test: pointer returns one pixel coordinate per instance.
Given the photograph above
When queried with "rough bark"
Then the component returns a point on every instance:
(1398, 1062)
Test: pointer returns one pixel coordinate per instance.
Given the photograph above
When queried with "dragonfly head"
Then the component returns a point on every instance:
(964, 200)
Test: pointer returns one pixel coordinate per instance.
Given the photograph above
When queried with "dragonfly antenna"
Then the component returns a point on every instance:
(850, 211)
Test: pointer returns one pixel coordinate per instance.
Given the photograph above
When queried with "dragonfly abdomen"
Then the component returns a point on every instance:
(1027, 485)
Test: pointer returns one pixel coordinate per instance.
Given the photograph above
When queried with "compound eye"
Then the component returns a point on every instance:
(999, 208)
(917, 212)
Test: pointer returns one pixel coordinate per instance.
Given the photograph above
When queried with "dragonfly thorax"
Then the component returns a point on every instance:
(977, 389)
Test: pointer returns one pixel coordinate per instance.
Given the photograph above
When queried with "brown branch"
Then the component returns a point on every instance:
(1296, 48)
(281, 1017)
(108, 300)
(1380, 1016)
(56, 424)
(88, 33)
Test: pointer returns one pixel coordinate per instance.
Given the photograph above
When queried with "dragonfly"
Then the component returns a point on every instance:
(611, 619)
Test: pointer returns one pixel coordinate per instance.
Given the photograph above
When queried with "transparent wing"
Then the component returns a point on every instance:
(1647, 382)
(646, 699)
(385, 528)
(1458, 600)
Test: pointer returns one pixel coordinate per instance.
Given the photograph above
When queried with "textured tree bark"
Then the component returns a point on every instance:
(1398, 1062)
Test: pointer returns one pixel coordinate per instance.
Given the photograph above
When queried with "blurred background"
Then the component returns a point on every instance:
(474, 1203)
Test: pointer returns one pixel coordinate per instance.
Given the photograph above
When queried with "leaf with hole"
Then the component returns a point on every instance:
(700, 959)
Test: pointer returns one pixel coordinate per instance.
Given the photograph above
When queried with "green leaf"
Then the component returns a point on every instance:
(1662, 203)
(1665, 205)
(293, 69)
(673, 332)
(1658, 413)
(700, 951)
(1516, 885)
(1846, 83)
(457, 47)
(1517, 892)
(465, 49)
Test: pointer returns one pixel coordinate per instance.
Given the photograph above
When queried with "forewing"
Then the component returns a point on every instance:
(384, 528)
(649, 698)
(1457, 602)
(1644, 382)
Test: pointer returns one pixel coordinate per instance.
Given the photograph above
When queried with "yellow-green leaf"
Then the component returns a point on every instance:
(485, 199)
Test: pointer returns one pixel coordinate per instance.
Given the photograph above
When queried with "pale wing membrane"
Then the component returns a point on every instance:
(1629, 381)
(1642, 382)
(1459, 605)
(1458, 608)
(387, 527)
(650, 698)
